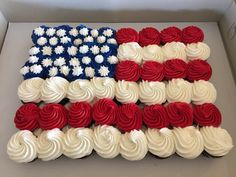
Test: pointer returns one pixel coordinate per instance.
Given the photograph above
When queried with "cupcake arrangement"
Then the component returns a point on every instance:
(117, 92)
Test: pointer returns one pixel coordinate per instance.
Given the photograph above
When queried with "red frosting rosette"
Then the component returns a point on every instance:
(125, 35)
(26, 117)
(175, 68)
(104, 112)
(148, 36)
(207, 115)
(155, 116)
(171, 34)
(180, 114)
(192, 34)
(152, 71)
(80, 114)
(53, 116)
(198, 70)
(129, 117)
(128, 70)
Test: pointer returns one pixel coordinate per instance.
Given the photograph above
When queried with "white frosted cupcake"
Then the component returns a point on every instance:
(153, 53)
(198, 50)
(174, 50)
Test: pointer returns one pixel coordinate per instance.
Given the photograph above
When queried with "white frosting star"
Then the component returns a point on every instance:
(101, 39)
(95, 49)
(24, 70)
(34, 50)
(59, 49)
(86, 60)
(72, 50)
(112, 59)
(65, 40)
(84, 31)
(53, 41)
(50, 32)
(111, 41)
(39, 31)
(103, 71)
(94, 32)
(47, 50)
(36, 69)
(74, 62)
(73, 32)
(83, 49)
(108, 32)
(61, 32)
(99, 58)
(47, 62)
(65, 70)
(78, 41)
(78, 70)
(89, 72)
(41, 41)
(88, 39)
(60, 61)
(53, 71)
(105, 49)
(33, 59)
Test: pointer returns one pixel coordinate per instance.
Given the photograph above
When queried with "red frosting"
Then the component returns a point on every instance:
(53, 116)
(129, 117)
(180, 114)
(125, 35)
(104, 112)
(26, 117)
(152, 71)
(207, 115)
(198, 70)
(192, 34)
(128, 70)
(148, 36)
(80, 114)
(155, 116)
(171, 34)
(175, 68)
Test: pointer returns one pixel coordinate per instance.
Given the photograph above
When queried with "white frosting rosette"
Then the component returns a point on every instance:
(217, 141)
(198, 50)
(104, 87)
(133, 145)
(30, 90)
(54, 89)
(127, 91)
(80, 90)
(179, 90)
(78, 142)
(153, 52)
(50, 144)
(152, 92)
(188, 142)
(174, 50)
(22, 147)
(203, 92)
(106, 141)
(160, 142)
(131, 51)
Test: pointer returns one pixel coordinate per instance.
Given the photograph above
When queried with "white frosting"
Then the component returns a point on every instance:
(127, 91)
(108, 32)
(198, 50)
(64, 70)
(112, 59)
(152, 92)
(22, 147)
(83, 49)
(78, 142)
(50, 32)
(99, 59)
(88, 39)
(59, 49)
(53, 41)
(89, 72)
(78, 41)
(41, 41)
(47, 50)
(50, 144)
(95, 49)
(111, 41)
(103, 71)
(39, 31)
(104, 87)
(36, 69)
(72, 50)
(74, 61)
(65, 40)
(131, 51)
(188, 142)
(101, 39)
(80, 90)
(105, 49)
(107, 141)
(84, 31)
(24, 70)
(94, 32)
(160, 142)
(61, 32)
(217, 141)
(203, 92)
(179, 90)
(53, 71)
(153, 52)
(174, 50)
(78, 70)
(86, 60)
(30, 90)
(133, 145)
(46, 62)
(60, 61)
(54, 89)
(33, 59)
(34, 50)
(74, 32)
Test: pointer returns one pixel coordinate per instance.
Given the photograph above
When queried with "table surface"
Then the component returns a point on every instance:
(14, 54)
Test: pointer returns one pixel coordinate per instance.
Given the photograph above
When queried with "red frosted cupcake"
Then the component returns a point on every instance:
(171, 34)
(152, 71)
(192, 34)
(80, 114)
(125, 35)
(148, 36)
(175, 68)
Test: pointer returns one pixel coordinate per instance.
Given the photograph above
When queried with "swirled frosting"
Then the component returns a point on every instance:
(152, 71)
(153, 52)
(78, 142)
(217, 141)
(149, 35)
(127, 92)
(125, 35)
(192, 34)
(152, 92)
(22, 147)
(50, 144)
(198, 50)
(179, 90)
(106, 141)
(80, 90)
(131, 51)
(104, 87)
(171, 34)
(174, 50)
(160, 142)
(30, 90)
(188, 142)
(203, 92)
(133, 145)
(54, 89)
